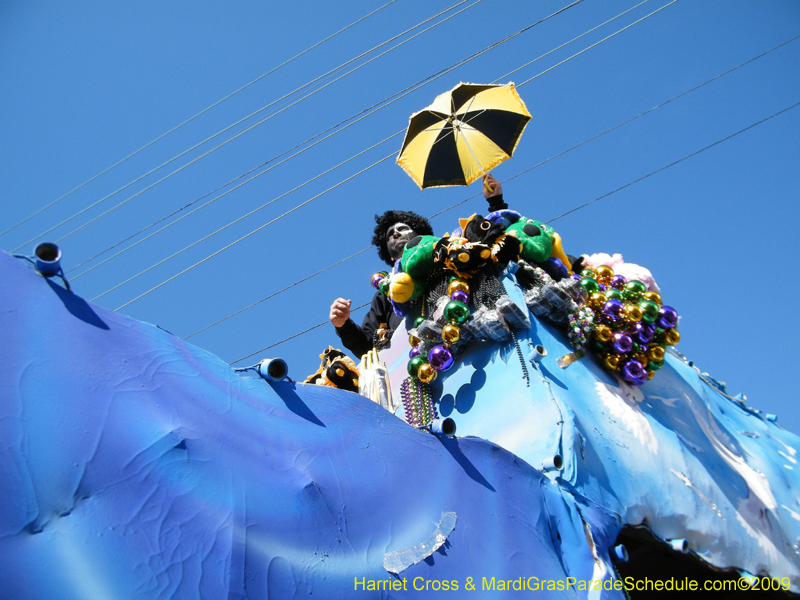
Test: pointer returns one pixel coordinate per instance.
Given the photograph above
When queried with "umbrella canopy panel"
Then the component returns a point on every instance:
(465, 133)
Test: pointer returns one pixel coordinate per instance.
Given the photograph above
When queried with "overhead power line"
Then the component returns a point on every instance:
(256, 231)
(343, 124)
(192, 118)
(459, 203)
(288, 212)
(597, 43)
(247, 129)
(317, 326)
(288, 287)
(306, 202)
(179, 219)
(577, 208)
(250, 213)
(672, 164)
(649, 110)
(240, 218)
(548, 53)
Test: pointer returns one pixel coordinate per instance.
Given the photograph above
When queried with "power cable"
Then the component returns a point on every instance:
(288, 287)
(246, 130)
(597, 43)
(416, 86)
(366, 304)
(256, 230)
(317, 326)
(205, 110)
(370, 110)
(179, 219)
(603, 133)
(538, 58)
(574, 209)
(319, 89)
(649, 110)
(469, 198)
(242, 217)
(586, 141)
(672, 164)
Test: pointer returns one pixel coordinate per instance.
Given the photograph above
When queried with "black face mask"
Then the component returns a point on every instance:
(396, 238)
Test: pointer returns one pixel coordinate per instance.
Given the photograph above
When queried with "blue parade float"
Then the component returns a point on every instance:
(136, 465)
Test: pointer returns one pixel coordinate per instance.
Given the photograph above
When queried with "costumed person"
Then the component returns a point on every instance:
(394, 229)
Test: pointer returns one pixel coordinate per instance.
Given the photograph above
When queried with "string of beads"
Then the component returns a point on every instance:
(417, 402)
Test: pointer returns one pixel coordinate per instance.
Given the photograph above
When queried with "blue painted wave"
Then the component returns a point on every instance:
(135, 465)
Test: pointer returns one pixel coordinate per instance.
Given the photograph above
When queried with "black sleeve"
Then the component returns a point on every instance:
(354, 339)
(359, 340)
(496, 203)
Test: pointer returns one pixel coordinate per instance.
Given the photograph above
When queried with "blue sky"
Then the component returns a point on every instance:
(88, 83)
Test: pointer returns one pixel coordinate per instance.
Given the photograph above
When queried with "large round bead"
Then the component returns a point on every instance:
(589, 285)
(414, 364)
(456, 312)
(655, 365)
(654, 296)
(384, 287)
(440, 358)
(457, 284)
(413, 352)
(667, 317)
(649, 310)
(641, 357)
(631, 312)
(613, 293)
(413, 340)
(426, 373)
(460, 296)
(603, 274)
(618, 282)
(611, 361)
(587, 273)
(418, 321)
(621, 342)
(602, 333)
(451, 334)
(671, 337)
(597, 300)
(378, 278)
(656, 353)
(634, 290)
(644, 332)
(612, 309)
(633, 372)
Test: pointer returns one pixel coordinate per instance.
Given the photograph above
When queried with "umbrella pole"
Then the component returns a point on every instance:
(477, 162)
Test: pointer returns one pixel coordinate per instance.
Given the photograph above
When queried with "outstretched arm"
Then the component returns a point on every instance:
(493, 192)
(354, 338)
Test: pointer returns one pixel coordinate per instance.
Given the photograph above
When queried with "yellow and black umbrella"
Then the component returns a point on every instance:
(464, 134)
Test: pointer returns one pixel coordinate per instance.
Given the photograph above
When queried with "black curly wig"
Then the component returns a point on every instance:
(389, 218)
